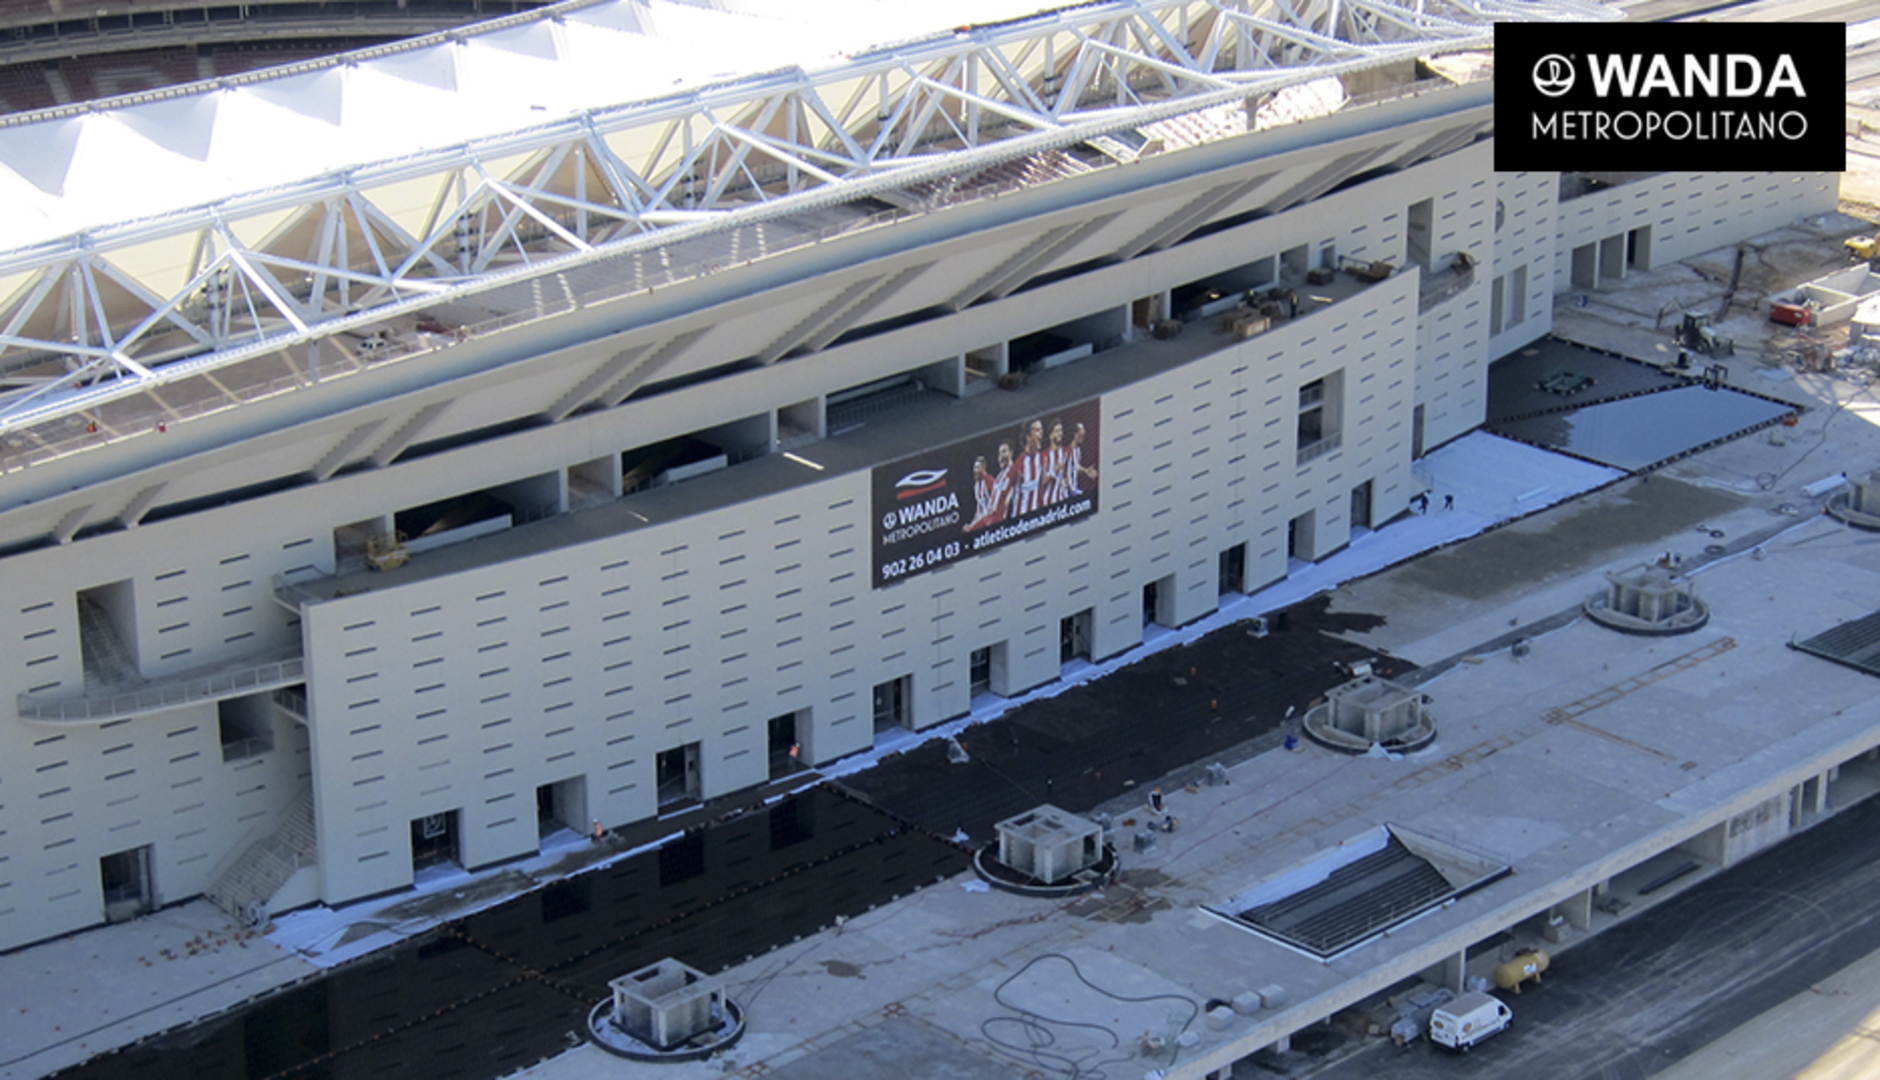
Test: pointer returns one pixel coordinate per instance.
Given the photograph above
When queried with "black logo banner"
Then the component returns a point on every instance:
(1690, 97)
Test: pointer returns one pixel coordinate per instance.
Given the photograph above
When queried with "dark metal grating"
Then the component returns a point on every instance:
(1855, 643)
(1354, 901)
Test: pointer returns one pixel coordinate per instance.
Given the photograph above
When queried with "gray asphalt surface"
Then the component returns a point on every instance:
(1635, 999)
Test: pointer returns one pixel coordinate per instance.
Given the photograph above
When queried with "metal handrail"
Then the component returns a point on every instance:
(164, 695)
(1319, 449)
(294, 701)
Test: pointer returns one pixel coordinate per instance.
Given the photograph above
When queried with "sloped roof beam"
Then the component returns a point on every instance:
(1047, 255)
(335, 459)
(604, 373)
(856, 312)
(1190, 216)
(1441, 143)
(637, 374)
(408, 432)
(69, 525)
(140, 504)
(1327, 178)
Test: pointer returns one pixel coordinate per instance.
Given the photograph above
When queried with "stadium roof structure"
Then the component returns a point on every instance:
(176, 234)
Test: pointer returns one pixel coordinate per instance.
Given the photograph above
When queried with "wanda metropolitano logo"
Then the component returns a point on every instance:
(1553, 75)
(1670, 96)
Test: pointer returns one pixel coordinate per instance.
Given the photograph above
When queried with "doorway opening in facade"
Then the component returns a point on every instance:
(894, 704)
(785, 753)
(1074, 633)
(128, 889)
(1301, 536)
(678, 775)
(562, 805)
(436, 841)
(1233, 570)
(1158, 602)
(988, 672)
(1584, 269)
(1361, 506)
(1638, 248)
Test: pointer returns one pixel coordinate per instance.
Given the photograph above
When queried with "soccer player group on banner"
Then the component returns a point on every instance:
(1041, 475)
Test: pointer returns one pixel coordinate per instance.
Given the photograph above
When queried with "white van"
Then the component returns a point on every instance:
(1468, 1020)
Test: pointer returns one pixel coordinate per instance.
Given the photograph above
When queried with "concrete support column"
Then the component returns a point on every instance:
(1578, 910)
(1283, 1043)
(1456, 971)
(1821, 793)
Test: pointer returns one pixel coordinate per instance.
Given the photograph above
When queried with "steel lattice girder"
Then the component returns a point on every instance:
(79, 329)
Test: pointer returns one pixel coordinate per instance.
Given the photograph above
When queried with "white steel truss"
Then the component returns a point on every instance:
(79, 326)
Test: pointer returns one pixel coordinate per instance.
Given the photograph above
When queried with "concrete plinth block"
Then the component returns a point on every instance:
(1272, 996)
(1219, 1017)
(1248, 1003)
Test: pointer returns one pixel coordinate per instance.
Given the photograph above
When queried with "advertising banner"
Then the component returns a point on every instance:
(1652, 97)
(967, 497)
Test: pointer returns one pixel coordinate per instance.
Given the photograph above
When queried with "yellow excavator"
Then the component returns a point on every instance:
(1862, 247)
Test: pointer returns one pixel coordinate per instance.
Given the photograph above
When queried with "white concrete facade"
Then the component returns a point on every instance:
(573, 650)
(1665, 217)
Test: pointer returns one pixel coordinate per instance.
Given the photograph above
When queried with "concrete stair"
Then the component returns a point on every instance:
(107, 661)
(244, 889)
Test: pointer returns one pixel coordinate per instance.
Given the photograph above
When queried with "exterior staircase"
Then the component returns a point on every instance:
(107, 661)
(245, 888)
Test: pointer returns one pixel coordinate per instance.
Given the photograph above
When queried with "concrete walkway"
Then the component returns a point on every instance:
(1831, 1031)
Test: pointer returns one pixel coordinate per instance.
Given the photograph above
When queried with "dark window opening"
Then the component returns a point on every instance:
(245, 726)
